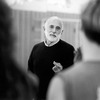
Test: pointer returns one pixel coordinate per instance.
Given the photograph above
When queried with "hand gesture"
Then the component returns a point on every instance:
(57, 67)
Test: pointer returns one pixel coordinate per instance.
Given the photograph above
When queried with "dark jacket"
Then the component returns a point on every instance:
(41, 62)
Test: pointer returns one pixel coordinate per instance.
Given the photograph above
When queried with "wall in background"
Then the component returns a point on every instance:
(28, 28)
(65, 6)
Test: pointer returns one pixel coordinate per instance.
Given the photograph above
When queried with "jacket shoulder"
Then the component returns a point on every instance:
(38, 45)
(67, 44)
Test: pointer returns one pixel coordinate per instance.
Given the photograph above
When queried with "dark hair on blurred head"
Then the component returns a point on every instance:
(15, 83)
(91, 21)
(6, 37)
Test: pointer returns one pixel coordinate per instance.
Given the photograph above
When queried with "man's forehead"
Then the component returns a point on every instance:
(54, 22)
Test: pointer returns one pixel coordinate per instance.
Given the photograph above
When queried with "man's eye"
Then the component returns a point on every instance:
(58, 28)
(51, 26)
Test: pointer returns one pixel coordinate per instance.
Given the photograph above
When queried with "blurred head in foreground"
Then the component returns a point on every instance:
(15, 83)
(90, 18)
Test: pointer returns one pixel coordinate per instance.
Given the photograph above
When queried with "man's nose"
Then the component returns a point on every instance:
(54, 29)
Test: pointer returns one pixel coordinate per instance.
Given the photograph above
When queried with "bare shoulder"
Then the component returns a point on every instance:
(56, 89)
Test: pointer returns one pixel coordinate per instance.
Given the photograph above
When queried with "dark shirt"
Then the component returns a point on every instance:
(42, 58)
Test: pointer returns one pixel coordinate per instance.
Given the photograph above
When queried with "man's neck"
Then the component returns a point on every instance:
(50, 43)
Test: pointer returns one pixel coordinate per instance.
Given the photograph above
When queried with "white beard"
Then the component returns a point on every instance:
(52, 39)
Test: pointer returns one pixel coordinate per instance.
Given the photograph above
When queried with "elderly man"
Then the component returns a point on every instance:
(50, 56)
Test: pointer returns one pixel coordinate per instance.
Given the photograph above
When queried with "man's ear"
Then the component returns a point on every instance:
(62, 31)
(43, 27)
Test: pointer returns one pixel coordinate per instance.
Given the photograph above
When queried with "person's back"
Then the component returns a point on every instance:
(15, 83)
(82, 82)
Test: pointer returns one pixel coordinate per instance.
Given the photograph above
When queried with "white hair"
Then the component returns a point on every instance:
(52, 18)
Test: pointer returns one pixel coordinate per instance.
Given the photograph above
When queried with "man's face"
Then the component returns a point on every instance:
(53, 29)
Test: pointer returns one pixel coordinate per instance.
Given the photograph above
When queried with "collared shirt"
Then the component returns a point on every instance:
(51, 43)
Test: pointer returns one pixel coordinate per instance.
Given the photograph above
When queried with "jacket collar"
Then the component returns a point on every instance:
(51, 43)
